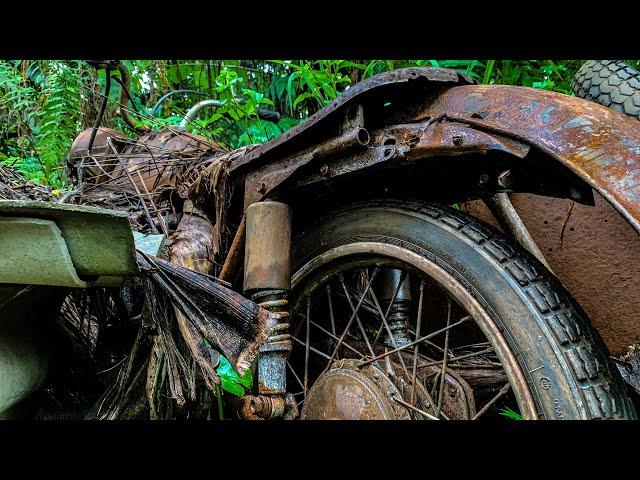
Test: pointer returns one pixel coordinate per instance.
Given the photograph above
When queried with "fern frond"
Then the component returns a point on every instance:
(59, 118)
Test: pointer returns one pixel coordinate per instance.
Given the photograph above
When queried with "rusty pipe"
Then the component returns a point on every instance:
(233, 261)
(356, 137)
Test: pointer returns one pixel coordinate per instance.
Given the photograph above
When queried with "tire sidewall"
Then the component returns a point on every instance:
(443, 240)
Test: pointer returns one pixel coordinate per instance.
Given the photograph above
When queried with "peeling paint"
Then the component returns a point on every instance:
(546, 114)
(577, 122)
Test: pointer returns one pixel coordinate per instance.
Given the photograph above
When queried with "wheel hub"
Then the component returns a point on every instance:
(347, 392)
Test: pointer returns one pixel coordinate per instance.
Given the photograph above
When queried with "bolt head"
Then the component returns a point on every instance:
(457, 140)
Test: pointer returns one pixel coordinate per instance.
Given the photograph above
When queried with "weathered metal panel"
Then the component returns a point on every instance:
(99, 241)
(599, 144)
(596, 256)
(381, 88)
(34, 253)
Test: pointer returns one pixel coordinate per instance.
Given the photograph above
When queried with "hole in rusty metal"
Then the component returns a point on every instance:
(389, 141)
(363, 136)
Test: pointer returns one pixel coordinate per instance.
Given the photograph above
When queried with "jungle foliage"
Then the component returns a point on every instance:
(44, 104)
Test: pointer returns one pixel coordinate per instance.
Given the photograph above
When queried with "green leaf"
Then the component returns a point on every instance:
(300, 98)
(230, 380)
(511, 414)
(488, 71)
(232, 387)
(290, 88)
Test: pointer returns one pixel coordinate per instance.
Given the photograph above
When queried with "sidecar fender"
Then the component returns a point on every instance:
(600, 145)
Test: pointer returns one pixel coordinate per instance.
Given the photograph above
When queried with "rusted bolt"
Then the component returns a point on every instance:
(262, 187)
(484, 179)
(324, 169)
(458, 140)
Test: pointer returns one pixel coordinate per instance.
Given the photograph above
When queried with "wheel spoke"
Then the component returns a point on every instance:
(415, 349)
(353, 315)
(327, 332)
(403, 275)
(331, 317)
(414, 408)
(443, 376)
(360, 326)
(385, 324)
(332, 336)
(502, 391)
(296, 377)
(311, 349)
(306, 348)
(455, 359)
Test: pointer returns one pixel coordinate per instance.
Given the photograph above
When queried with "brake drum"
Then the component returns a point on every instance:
(347, 392)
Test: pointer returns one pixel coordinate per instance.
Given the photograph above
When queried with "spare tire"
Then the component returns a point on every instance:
(611, 83)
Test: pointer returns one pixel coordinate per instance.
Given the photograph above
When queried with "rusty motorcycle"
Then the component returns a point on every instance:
(433, 248)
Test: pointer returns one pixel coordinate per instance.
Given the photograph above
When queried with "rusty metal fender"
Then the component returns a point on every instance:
(600, 145)
(373, 92)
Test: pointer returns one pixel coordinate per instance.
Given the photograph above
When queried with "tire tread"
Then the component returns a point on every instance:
(611, 83)
(573, 335)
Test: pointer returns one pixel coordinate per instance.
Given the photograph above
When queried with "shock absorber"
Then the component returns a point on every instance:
(267, 281)
(399, 313)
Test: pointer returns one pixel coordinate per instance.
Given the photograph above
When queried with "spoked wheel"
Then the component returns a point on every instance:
(418, 311)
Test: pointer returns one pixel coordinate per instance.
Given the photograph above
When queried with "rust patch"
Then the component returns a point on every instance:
(598, 259)
(599, 144)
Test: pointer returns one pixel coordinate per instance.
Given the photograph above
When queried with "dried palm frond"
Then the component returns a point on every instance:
(232, 324)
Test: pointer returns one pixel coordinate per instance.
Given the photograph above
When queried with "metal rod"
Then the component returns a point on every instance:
(296, 376)
(502, 391)
(360, 326)
(189, 117)
(443, 377)
(331, 317)
(353, 315)
(306, 351)
(386, 315)
(236, 253)
(415, 349)
(508, 218)
(455, 359)
(311, 349)
(415, 409)
(327, 332)
(385, 324)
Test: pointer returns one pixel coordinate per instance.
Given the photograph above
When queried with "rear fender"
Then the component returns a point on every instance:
(598, 144)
